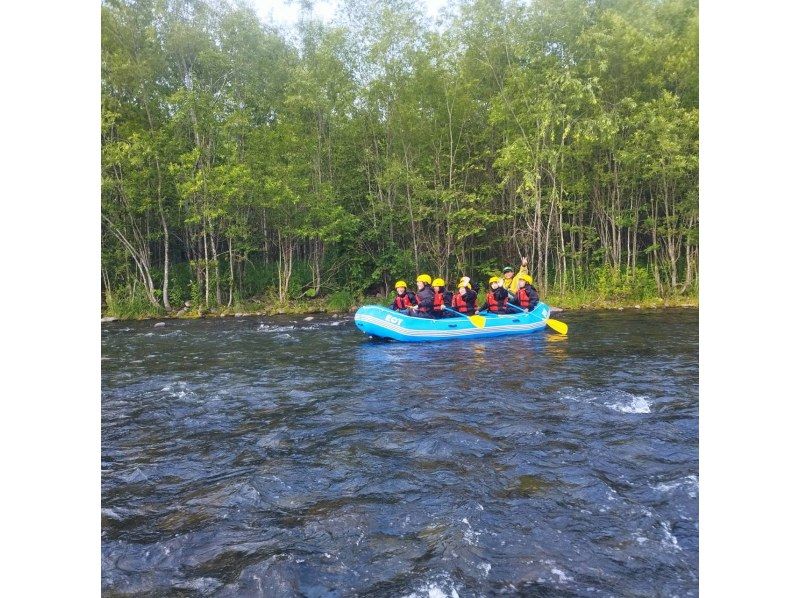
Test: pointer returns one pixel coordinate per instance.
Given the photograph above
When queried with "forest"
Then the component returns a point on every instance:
(250, 166)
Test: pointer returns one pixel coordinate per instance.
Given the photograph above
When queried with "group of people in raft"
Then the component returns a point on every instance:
(433, 300)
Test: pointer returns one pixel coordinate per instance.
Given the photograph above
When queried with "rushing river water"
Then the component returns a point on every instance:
(278, 457)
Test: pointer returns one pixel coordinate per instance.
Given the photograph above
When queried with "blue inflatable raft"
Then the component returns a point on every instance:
(382, 322)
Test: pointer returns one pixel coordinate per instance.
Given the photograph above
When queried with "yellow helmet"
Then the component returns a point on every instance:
(494, 279)
(527, 278)
(400, 283)
(424, 278)
(438, 282)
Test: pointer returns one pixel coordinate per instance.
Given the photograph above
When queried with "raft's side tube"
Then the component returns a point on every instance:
(384, 323)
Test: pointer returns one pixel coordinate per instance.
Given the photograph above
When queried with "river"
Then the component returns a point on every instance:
(279, 457)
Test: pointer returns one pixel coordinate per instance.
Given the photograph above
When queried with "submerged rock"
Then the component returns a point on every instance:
(527, 486)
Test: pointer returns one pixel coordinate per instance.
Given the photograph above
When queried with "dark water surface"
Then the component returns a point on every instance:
(277, 457)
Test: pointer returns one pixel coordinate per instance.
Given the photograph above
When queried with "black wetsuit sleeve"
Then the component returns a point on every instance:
(471, 298)
(425, 300)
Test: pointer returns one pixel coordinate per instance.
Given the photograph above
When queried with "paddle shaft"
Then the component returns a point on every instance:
(458, 313)
(556, 325)
(477, 321)
(507, 304)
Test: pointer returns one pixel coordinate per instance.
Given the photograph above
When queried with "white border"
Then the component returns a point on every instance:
(749, 196)
(50, 297)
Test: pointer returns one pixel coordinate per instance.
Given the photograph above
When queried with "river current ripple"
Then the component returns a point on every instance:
(279, 457)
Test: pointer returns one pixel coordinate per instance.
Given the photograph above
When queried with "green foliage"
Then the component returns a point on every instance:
(195, 293)
(340, 301)
(332, 160)
(130, 304)
(637, 284)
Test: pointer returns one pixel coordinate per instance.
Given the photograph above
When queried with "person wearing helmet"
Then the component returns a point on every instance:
(527, 297)
(424, 306)
(496, 298)
(511, 280)
(404, 298)
(441, 299)
(464, 299)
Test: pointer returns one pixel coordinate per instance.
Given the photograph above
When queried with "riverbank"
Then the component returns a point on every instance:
(584, 302)
(308, 307)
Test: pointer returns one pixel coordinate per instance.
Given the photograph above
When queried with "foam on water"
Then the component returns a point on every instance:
(203, 585)
(690, 482)
(669, 539)
(442, 587)
(177, 390)
(562, 577)
(433, 591)
(319, 325)
(617, 400)
(174, 333)
(268, 328)
(633, 405)
(470, 535)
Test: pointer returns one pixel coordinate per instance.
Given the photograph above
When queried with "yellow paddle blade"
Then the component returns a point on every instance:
(479, 321)
(559, 327)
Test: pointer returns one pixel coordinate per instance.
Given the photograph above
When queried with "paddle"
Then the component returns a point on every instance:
(477, 321)
(556, 325)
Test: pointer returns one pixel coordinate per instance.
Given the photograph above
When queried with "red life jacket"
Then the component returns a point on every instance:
(459, 303)
(438, 301)
(494, 304)
(523, 298)
(402, 301)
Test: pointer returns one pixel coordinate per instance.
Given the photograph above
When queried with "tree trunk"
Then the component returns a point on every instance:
(205, 264)
(218, 290)
(285, 257)
(164, 228)
(140, 260)
(411, 213)
(230, 264)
